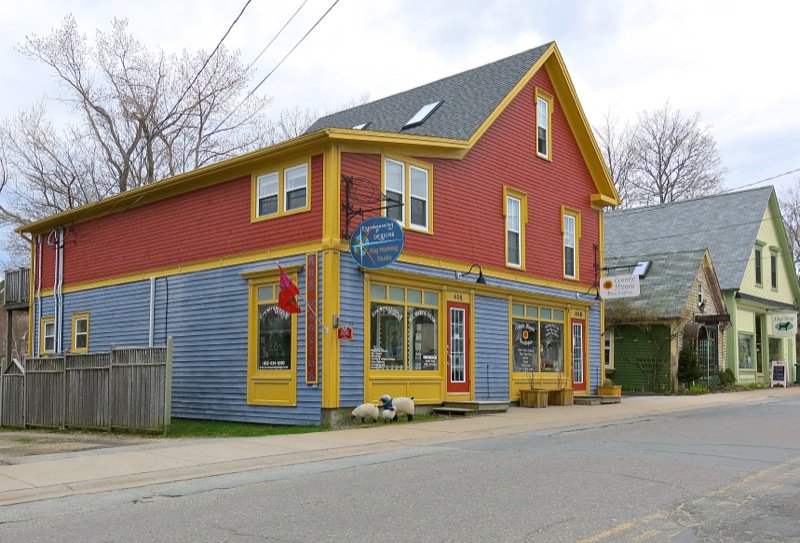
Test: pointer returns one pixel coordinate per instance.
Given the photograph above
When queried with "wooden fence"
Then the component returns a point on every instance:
(128, 389)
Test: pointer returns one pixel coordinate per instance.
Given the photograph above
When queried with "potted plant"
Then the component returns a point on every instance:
(562, 395)
(608, 388)
(532, 396)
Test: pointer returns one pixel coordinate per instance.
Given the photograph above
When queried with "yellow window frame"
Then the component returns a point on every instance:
(408, 163)
(42, 324)
(509, 192)
(269, 387)
(280, 170)
(548, 99)
(576, 215)
(75, 318)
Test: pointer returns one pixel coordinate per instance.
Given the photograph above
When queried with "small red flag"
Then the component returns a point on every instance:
(287, 297)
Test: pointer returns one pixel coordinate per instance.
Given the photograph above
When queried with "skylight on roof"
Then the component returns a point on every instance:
(422, 115)
(361, 126)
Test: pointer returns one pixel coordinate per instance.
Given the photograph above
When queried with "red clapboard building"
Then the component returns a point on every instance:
(492, 176)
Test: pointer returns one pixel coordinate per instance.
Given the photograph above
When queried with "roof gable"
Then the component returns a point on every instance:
(469, 98)
(726, 224)
(470, 102)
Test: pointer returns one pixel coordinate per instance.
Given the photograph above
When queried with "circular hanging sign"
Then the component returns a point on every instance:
(377, 242)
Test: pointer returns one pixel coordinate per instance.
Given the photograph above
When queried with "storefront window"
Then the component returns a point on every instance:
(526, 345)
(745, 351)
(403, 329)
(537, 345)
(552, 338)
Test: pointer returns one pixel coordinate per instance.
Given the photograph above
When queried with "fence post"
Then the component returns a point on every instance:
(168, 387)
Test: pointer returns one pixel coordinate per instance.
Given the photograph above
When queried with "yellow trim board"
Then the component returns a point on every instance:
(269, 254)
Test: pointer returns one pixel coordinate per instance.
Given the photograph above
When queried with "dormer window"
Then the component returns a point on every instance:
(422, 115)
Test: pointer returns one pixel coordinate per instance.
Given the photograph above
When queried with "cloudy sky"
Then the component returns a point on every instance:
(732, 61)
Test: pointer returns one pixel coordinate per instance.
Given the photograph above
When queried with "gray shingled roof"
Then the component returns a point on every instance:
(469, 98)
(725, 224)
(665, 288)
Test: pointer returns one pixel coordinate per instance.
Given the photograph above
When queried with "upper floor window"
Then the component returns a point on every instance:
(570, 226)
(515, 212)
(700, 294)
(544, 114)
(408, 189)
(80, 332)
(773, 269)
(282, 191)
(758, 266)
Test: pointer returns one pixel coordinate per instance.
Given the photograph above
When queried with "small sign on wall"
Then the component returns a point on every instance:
(784, 324)
(778, 373)
(345, 333)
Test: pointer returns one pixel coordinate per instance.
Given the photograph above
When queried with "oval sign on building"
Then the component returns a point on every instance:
(377, 242)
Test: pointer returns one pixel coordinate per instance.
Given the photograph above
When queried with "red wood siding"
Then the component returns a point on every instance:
(201, 225)
(468, 222)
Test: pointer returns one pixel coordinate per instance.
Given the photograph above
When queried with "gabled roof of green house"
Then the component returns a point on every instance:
(665, 288)
(726, 224)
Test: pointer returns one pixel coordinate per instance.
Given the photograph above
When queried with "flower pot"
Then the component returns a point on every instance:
(561, 396)
(536, 397)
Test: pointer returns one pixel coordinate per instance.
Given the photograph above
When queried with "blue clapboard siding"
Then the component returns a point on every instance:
(118, 315)
(491, 348)
(595, 350)
(351, 353)
(206, 313)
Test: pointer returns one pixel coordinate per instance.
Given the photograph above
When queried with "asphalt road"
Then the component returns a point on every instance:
(728, 473)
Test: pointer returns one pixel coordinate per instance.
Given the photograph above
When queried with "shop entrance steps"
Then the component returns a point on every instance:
(596, 400)
(471, 408)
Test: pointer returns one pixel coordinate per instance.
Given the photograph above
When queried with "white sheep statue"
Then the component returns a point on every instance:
(399, 406)
(366, 411)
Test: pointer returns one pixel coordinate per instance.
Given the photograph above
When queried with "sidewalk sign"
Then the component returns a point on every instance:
(778, 373)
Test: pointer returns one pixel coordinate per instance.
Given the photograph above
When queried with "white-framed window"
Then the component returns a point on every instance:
(268, 194)
(570, 236)
(284, 190)
(296, 187)
(515, 212)
(80, 332)
(544, 113)
(47, 330)
(746, 351)
(700, 294)
(395, 188)
(513, 231)
(419, 198)
(408, 187)
(608, 348)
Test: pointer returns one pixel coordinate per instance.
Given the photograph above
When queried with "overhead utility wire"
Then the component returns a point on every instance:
(276, 67)
(761, 181)
(203, 67)
(649, 207)
(264, 50)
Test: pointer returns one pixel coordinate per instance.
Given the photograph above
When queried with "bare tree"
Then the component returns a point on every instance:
(664, 157)
(790, 209)
(618, 152)
(138, 116)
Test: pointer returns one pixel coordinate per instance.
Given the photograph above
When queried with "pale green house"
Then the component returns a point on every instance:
(745, 236)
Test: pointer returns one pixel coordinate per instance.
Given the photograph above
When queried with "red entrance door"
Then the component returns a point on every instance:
(579, 367)
(457, 347)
